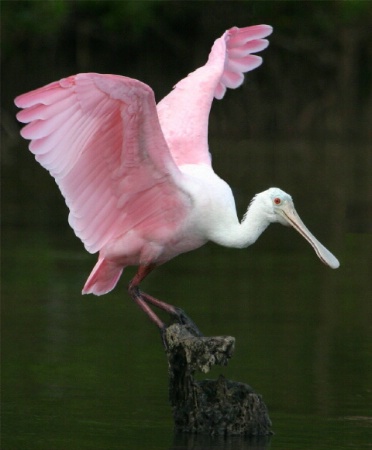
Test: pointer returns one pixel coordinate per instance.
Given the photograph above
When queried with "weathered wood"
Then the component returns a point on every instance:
(221, 406)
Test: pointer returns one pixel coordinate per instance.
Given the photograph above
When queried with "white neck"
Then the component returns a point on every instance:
(245, 233)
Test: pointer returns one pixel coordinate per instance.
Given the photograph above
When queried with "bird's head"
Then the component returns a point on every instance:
(279, 207)
(275, 202)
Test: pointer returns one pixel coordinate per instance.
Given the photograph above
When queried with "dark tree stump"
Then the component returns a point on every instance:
(221, 406)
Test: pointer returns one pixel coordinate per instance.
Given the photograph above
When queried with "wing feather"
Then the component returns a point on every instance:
(184, 113)
(100, 137)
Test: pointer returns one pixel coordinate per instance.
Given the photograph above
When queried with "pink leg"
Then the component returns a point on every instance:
(137, 297)
(142, 299)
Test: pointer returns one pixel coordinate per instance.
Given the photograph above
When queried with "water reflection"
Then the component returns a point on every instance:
(201, 442)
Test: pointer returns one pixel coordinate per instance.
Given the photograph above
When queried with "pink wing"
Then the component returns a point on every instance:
(100, 138)
(184, 113)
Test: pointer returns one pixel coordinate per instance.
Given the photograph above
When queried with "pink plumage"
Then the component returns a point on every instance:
(184, 113)
(115, 155)
(108, 176)
(137, 177)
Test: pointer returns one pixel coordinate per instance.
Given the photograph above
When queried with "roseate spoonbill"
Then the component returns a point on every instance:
(137, 177)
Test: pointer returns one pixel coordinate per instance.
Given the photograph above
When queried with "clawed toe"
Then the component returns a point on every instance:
(183, 319)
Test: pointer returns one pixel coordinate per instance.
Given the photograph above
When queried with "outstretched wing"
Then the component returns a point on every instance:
(99, 136)
(184, 113)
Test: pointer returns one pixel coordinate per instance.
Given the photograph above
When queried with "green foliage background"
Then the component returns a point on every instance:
(320, 55)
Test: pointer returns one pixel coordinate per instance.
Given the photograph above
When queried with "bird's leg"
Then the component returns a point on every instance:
(142, 299)
(137, 297)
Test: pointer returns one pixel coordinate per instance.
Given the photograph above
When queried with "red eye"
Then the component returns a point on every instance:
(277, 201)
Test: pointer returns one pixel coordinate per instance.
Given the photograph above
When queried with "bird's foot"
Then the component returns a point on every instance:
(177, 314)
(183, 319)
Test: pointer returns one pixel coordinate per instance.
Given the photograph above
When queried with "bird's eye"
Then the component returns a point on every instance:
(277, 201)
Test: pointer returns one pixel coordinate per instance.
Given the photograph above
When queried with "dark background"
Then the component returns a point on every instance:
(315, 83)
(317, 76)
(89, 373)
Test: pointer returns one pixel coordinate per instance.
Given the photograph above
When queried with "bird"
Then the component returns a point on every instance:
(137, 176)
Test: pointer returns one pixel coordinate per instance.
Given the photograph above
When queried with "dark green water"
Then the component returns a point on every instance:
(90, 373)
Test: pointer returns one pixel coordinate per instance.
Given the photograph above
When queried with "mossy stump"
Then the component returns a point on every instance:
(221, 406)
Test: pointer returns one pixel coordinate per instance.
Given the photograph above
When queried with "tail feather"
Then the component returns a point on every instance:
(103, 277)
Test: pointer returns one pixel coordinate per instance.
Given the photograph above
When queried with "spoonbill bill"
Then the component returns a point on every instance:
(137, 177)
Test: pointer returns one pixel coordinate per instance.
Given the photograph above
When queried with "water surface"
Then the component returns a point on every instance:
(90, 373)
